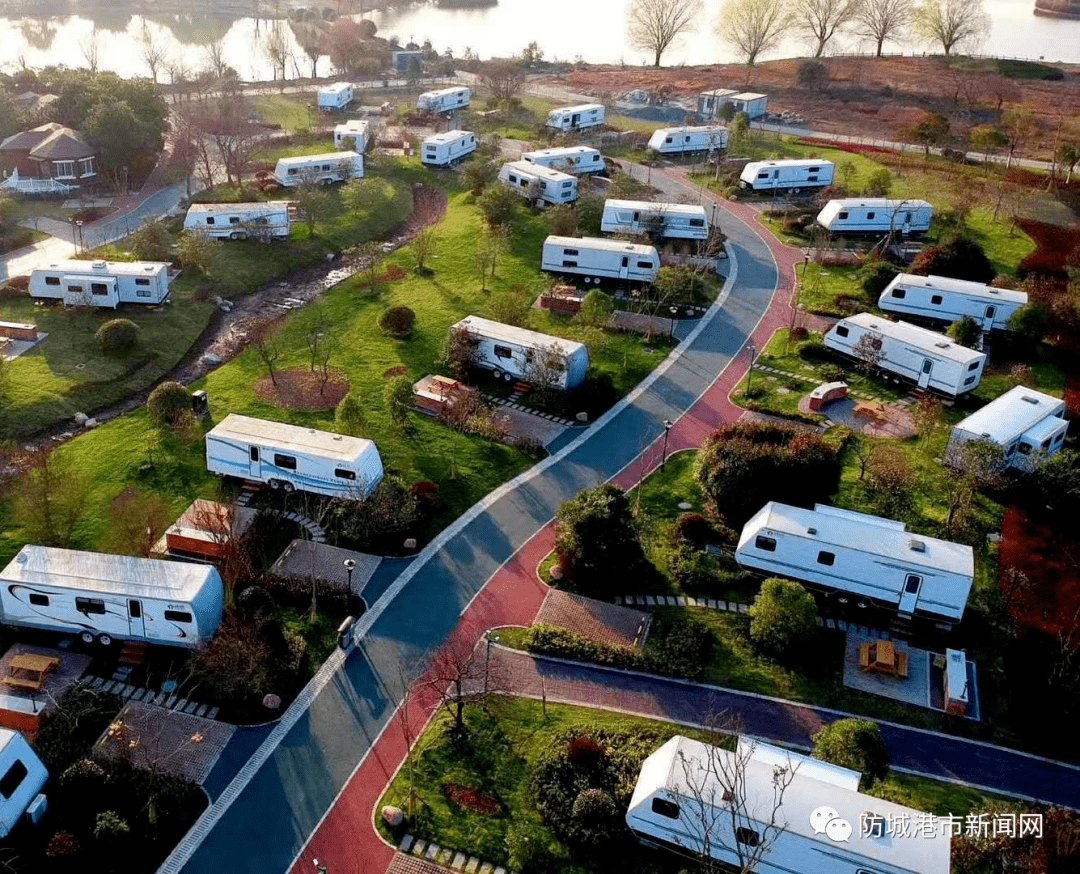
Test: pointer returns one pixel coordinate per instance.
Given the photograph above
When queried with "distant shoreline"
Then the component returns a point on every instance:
(1068, 9)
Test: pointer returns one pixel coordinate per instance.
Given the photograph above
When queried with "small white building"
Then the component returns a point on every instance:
(513, 353)
(787, 175)
(22, 777)
(681, 140)
(687, 787)
(681, 220)
(856, 556)
(441, 150)
(922, 357)
(352, 134)
(578, 160)
(263, 220)
(102, 283)
(289, 457)
(876, 215)
(1028, 425)
(539, 183)
(753, 104)
(597, 259)
(581, 117)
(324, 169)
(444, 99)
(335, 97)
(943, 299)
(711, 103)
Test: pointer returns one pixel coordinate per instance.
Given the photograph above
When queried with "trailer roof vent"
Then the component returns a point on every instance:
(1030, 399)
(918, 546)
(99, 265)
(337, 436)
(993, 290)
(21, 558)
(943, 344)
(811, 531)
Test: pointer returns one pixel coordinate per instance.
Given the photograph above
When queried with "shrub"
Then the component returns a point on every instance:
(398, 321)
(596, 817)
(875, 275)
(548, 640)
(62, 845)
(562, 220)
(956, 256)
(813, 351)
(585, 753)
(965, 331)
(151, 242)
(856, 744)
(1029, 323)
(498, 205)
(878, 184)
(596, 308)
(693, 528)
(83, 778)
(783, 618)
(694, 571)
(597, 541)
(398, 395)
(255, 600)
(427, 493)
(117, 336)
(110, 826)
(168, 403)
(680, 648)
(349, 414)
(832, 372)
(69, 733)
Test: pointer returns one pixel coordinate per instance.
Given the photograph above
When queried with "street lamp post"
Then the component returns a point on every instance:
(82, 242)
(671, 330)
(750, 369)
(74, 236)
(319, 867)
(350, 566)
(667, 430)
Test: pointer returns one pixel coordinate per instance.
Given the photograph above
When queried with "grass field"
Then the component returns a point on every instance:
(291, 112)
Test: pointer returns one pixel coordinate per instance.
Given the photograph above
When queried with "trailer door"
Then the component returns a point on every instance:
(910, 596)
(988, 318)
(575, 119)
(924, 375)
(254, 463)
(624, 269)
(136, 628)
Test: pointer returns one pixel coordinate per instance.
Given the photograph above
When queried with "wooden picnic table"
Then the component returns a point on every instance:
(27, 671)
(881, 657)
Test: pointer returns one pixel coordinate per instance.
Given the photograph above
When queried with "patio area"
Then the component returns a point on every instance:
(35, 678)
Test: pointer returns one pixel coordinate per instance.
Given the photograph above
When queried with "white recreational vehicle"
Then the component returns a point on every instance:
(579, 160)
(596, 259)
(568, 118)
(290, 457)
(239, 221)
(336, 96)
(679, 140)
(112, 597)
(685, 787)
(940, 298)
(319, 169)
(352, 134)
(22, 776)
(859, 557)
(1028, 425)
(876, 215)
(539, 183)
(444, 149)
(789, 175)
(514, 353)
(102, 283)
(925, 358)
(657, 219)
(444, 100)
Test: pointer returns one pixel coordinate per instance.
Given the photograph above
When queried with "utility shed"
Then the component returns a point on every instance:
(1028, 425)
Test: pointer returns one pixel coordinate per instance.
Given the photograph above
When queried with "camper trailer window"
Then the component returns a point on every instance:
(569, 264)
(99, 288)
(870, 215)
(288, 462)
(1024, 449)
(935, 299)
(141, 280)
(815, 169)
(1046, 443)
(843, 216)
(645, 264)
(39, 600)
(697, 223)
(969, 380)
(503, 352)
(974, 365)
(828, 558)
(665, 808)
(747, 836)
(13, 778)
(234, 220)
(90, 605)
(1059, 437)
(209, 219)
(52, 280)
(764, 175)
(142, 292)
(177, 616)
(570, 252)
(342, 473)
(135, 609)
(899, 293)
(841, 331)
(911, 584)
(253, 453)
(766, 543)
(75, 289)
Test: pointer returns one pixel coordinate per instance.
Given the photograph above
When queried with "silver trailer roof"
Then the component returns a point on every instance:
(922, 339)
(253, 206)
(519, 336)
(336, 88)
(602, 243)
(561, 152)
(446, 137)
(789, 162)
(959, 286)
(1012, 414)
(527, 168)
(105, 268)
(126, 575)
(442, 92)
(339, 447)
(581, 107)
(301, 160)
(687, 209)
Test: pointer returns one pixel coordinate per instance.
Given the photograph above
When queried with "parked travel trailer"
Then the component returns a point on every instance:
(323, 169)
(788, 175)
(515, 353)
(686, 786)
(876, 215)
(238, 221)
(579, 160)
(568, 118)
(447, 148)
(1028, 425)
(679, 140)
(444, 100)
(22, 777)
(102, 283)
(861, 558)
(112, 597)
(336, 96)
(539, 183)
(681, 220)
(942, 299)
(925, 358)
(596, 259)
(352, 134)
(289, 457)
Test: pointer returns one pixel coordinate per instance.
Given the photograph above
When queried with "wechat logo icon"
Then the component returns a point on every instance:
(825, 819)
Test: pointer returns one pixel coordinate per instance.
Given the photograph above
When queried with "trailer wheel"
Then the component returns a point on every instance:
(508, 377)
(86, 637)
(286, 486)
(796, 190)
(275, 484)
(498, 374)
(105, 639)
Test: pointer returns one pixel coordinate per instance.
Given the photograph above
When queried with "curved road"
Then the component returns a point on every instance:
(265, 816)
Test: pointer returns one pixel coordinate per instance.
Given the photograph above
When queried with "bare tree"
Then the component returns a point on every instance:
(137, 520)
(423, 246)
(215, 57)
(267, 345)
(952, 23)
(154, 50)
(311, 36)
(90, 46)
(653, 25)
(503, 77)
(884, 20)
(226, 121)
(485, 257)
(754, 27)
(868, 350)
(819, 20)
(276, 47)
(460, 671)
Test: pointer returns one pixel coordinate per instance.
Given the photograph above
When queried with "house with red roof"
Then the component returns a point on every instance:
(47, 158)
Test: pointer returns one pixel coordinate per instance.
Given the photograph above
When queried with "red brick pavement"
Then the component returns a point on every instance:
(346, 839)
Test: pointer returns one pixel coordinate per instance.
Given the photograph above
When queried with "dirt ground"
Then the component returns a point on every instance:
(866, 96)
(299, 388)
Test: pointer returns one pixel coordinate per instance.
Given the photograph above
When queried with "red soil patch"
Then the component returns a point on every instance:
(400, 370)
(1050, 599)
(1054, 246)
(299, 389)
(395, 271)
(471, 799)
(1072, 397)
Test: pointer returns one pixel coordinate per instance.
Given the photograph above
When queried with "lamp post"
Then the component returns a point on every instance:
(74, 236)
(750, 369)
(350, 566)
(82, 242)
(671, 330)
(667, 430)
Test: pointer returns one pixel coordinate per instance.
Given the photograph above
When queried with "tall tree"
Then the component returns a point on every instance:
(952, 23)
(819, 20)
(884, 20)
(754, 27)
(345, 45)
(503, 77)
(311, 35)
(653, 25)
(277, 48)
(154, 50)
(110, 127)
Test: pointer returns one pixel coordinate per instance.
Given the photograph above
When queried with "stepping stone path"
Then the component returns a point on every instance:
(446, 858)
(148, 696)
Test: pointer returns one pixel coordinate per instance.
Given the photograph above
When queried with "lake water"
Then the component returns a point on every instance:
(567, 30)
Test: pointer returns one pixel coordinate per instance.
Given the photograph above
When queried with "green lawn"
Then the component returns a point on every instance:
(290, 111)
(269, 154)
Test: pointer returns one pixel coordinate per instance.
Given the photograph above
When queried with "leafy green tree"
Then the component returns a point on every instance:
(498, 205)
(349, 414)
(168, 403)
(117, 336)
(366, 195)
(151, 242)
(878, 184)
(856, 744)
(930, 131)
(108, 126)
(1068, 154)
(596, 308)
(590, 211)
(597, 541)
(1030, 323)
(987, 137)
(783, 618)
(11, 117)
(477, 175)
(875, 275)
(955, 256)
(196, 252)
(398, 396)
(965, 331)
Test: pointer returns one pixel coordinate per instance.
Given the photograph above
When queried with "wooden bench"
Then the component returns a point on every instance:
(827, 391)
(24, 683)
(864, 656)
(901, 665)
